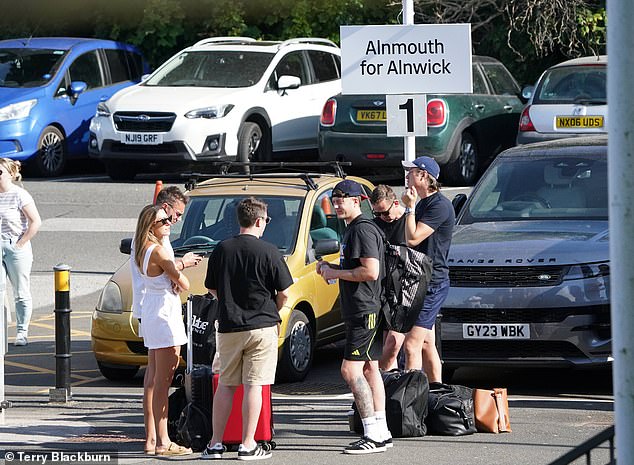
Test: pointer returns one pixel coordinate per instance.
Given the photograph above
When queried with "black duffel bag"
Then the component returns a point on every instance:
(204, 313)
(450, 410)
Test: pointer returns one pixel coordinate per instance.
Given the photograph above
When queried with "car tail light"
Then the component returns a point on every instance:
(328, 113)
(436, 114)
(525, 121)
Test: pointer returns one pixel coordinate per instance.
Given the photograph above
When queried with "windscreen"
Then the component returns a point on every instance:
(28, 67)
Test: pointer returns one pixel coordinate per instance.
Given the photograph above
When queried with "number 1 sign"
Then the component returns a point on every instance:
(406, 115)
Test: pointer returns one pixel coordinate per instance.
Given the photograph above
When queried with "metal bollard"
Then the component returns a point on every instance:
(61, 392)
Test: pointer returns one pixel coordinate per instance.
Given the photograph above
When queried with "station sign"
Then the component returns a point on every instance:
(406, 59)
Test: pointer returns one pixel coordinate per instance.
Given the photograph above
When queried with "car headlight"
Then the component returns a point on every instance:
(17, 110)
(217, 111)
(103, 110)
(589, 270)
(110, 299)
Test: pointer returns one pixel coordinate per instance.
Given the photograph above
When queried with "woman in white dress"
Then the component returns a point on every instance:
(161, 318)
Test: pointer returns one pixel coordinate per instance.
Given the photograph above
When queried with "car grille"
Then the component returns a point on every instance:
(504, 350)
(135, 121)
(506, 276)
(518, 315)
(137, 347)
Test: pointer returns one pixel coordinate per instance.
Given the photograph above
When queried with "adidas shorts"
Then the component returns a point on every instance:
(363, 338)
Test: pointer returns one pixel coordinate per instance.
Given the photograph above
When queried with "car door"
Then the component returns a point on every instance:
(508, 105)
(292, 112)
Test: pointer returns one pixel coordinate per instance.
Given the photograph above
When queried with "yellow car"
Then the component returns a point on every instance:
(303, 227)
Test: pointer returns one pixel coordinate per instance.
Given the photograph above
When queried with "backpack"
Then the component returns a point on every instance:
(176, 403)
(194, 427)
(451, 410)
(407, 273)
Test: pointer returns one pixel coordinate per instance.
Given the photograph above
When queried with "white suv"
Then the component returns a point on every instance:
(223, 98)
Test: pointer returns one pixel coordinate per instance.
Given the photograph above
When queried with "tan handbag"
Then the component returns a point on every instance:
(491, 410)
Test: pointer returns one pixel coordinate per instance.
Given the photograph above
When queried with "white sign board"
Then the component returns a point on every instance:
(399, 59)
(406, 115)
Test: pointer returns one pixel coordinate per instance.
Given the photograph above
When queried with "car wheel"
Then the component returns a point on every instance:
(463, 170)
(117, 372)
(251, 143)
(297, 352)
(120, 171)
(50, 158)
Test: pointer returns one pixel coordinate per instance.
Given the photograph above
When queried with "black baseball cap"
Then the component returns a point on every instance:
(349, 188)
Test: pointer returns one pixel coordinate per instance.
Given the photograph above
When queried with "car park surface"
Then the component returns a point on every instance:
(464, 130)
(569, 99)
(303, 226)
(529, 261)
(49, 90)
(224, 98)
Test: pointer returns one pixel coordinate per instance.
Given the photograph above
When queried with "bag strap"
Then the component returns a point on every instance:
(502, 411)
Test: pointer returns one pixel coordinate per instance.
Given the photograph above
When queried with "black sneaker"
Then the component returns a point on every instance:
(365, 445)
(257, 453)
(215, 452)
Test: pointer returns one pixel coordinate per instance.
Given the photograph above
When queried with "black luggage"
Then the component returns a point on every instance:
(201, 325)
(450, 410)
(194, 427)
(176, 403)
(406, 403)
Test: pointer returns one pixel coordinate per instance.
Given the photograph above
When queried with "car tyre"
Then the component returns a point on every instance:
(50, 158)
(298, 349)
(118, 372)
(121, 171)
(252, 143)
(464, 169)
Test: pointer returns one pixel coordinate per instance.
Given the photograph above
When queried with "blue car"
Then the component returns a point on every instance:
(49, 91)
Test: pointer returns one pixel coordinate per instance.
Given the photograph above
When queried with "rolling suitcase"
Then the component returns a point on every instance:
(194, 427)
(233, 431)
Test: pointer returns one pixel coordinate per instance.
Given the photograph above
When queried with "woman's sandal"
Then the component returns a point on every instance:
(149, 451)
(174, 449)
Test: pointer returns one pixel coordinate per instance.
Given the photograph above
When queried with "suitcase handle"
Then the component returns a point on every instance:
(190, 349)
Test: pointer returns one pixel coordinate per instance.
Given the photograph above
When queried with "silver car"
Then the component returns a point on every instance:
(570, 99)
(529, 261)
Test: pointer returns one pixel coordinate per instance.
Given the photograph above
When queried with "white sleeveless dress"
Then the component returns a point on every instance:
(162, 322)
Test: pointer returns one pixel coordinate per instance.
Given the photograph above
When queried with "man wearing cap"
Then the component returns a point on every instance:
(428, 229)
(359, 274)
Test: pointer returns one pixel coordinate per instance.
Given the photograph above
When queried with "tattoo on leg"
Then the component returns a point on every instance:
(362, 396)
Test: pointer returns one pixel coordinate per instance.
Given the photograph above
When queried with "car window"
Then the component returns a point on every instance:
(28, 67)
(292, 65)
(86, 68)
(324, 223)
(218, 68)
(211, 219)
(501, 80)
(479, 84)
(135, 63)
(324, 65)
(118, 65)
(572, 187)
(571, 84)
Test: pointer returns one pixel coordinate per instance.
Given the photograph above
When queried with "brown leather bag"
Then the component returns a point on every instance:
(491, 410)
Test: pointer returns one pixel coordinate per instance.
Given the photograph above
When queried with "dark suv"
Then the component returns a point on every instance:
(464, 130)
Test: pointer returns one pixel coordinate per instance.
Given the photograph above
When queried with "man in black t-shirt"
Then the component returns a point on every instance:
(359, 275)
(427, 229)
(251, 280)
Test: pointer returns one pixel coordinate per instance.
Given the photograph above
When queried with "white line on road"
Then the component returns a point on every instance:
(89, 224)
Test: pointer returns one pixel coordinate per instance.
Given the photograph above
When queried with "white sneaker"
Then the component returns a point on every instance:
(20, 339)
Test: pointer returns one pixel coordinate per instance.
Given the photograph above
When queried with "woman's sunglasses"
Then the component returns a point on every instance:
(165, 221)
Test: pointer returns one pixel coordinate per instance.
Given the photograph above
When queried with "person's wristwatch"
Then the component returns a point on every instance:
(409, 211)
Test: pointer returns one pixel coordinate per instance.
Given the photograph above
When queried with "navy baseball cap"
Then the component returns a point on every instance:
(424, 163)
(349, 188)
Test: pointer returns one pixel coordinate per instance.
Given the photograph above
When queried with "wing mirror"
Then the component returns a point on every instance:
(326, 247)
(458, 202)
(126, 246)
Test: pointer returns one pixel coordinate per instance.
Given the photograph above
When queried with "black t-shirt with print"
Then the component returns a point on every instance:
(360, 240)
(247, 272)
(394, 230)
(437, 212)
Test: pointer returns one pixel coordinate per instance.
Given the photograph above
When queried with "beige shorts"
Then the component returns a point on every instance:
(248, 357)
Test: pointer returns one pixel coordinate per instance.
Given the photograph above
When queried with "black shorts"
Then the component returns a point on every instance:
(363, 337)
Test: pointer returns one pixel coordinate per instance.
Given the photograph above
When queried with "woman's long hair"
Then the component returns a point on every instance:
(144, 233)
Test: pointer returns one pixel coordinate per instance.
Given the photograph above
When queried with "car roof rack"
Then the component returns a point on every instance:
(308, 40)
(268, 170)
(224, 40)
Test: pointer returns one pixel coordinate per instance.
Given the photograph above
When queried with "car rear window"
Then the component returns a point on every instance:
(573, 84)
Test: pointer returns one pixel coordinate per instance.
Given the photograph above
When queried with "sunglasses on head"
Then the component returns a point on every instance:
(165, 221)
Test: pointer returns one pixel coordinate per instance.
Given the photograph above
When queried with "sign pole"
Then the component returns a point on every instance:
(409, 142)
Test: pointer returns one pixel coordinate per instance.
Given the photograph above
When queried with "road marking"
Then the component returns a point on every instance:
(108, 225)
(41, 370)
(40, 354)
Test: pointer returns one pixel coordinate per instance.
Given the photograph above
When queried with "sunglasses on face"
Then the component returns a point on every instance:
(267, 219)
(164, 221)
(383, 213)
(177, 214)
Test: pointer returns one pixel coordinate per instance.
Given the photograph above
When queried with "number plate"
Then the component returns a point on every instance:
(495, 331)
(142, 138)
(583, 122)
(371, 115)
